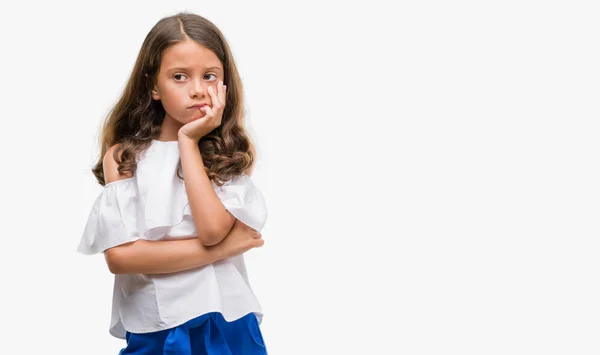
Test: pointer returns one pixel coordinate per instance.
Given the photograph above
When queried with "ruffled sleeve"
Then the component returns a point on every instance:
(244, 200)
(113, 219)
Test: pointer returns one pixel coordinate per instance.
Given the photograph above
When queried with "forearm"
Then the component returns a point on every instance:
(212, 220)
(160, 257)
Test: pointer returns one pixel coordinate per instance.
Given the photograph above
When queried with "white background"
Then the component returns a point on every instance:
(430, 167)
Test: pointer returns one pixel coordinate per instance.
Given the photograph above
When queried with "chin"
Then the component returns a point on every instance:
(196, 116)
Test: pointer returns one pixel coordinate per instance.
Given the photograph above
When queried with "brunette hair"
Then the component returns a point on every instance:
(136, 118)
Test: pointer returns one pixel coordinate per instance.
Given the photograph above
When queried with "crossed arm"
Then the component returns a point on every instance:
(161, 256)
(213, 221)
(169, 256)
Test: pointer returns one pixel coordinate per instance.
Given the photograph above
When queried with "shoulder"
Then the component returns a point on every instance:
(110, 165)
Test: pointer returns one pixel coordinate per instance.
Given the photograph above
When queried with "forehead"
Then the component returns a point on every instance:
(189, 54)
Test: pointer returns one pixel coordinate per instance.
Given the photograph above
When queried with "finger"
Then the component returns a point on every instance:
(222, 91)
(212, 116)
(215, 99)
(208, 111)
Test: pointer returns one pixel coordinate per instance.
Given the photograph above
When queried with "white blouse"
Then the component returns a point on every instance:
(153, 205)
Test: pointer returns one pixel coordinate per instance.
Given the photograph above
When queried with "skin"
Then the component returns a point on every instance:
(164, 257)
(189, 74)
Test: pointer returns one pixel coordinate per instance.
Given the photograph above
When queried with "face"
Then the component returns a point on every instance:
(187, 69)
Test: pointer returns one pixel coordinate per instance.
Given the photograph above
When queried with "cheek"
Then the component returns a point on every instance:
(173, 97)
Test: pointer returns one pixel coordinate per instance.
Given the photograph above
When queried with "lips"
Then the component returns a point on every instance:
(197, 106)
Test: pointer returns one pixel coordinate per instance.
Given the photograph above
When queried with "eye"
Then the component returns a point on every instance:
(211, 75)
(177, 76)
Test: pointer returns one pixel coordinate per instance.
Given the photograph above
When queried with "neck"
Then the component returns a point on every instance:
(169, 129)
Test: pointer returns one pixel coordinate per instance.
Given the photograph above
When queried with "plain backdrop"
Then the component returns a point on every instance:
(430, 169)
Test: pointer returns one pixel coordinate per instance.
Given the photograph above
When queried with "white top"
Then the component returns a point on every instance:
(153, 205)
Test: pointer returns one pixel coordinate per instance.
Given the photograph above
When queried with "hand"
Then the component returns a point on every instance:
(240, 239)
(198, 128)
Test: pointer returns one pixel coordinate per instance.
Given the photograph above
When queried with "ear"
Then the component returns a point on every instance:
(155, 93)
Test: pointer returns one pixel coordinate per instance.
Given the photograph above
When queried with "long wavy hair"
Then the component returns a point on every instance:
(136, 118)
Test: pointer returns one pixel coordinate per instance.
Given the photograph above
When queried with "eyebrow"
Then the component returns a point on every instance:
(187, 68)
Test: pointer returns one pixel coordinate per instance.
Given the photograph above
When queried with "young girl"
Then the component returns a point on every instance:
(178, 208)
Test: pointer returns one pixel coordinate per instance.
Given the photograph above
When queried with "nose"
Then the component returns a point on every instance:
(197, 89)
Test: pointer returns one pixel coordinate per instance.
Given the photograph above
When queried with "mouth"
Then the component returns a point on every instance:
(197, 106)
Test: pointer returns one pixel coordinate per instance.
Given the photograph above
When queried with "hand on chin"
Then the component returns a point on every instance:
(197, 115)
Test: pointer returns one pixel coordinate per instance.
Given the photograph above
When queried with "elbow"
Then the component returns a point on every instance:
(211, 234)
(115, 270)
(121, 258)
(114, 261)
(210, 238)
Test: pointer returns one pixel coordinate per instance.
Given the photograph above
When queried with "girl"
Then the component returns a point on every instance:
(178, 208)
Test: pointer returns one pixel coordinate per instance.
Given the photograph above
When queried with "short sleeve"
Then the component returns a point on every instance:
(112, 220)
(244, 200)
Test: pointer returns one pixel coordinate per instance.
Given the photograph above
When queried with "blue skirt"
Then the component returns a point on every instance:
(209, 334)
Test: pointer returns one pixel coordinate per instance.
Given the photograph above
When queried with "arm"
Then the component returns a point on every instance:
(160, 257)
(212, 220)
(168, 256)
